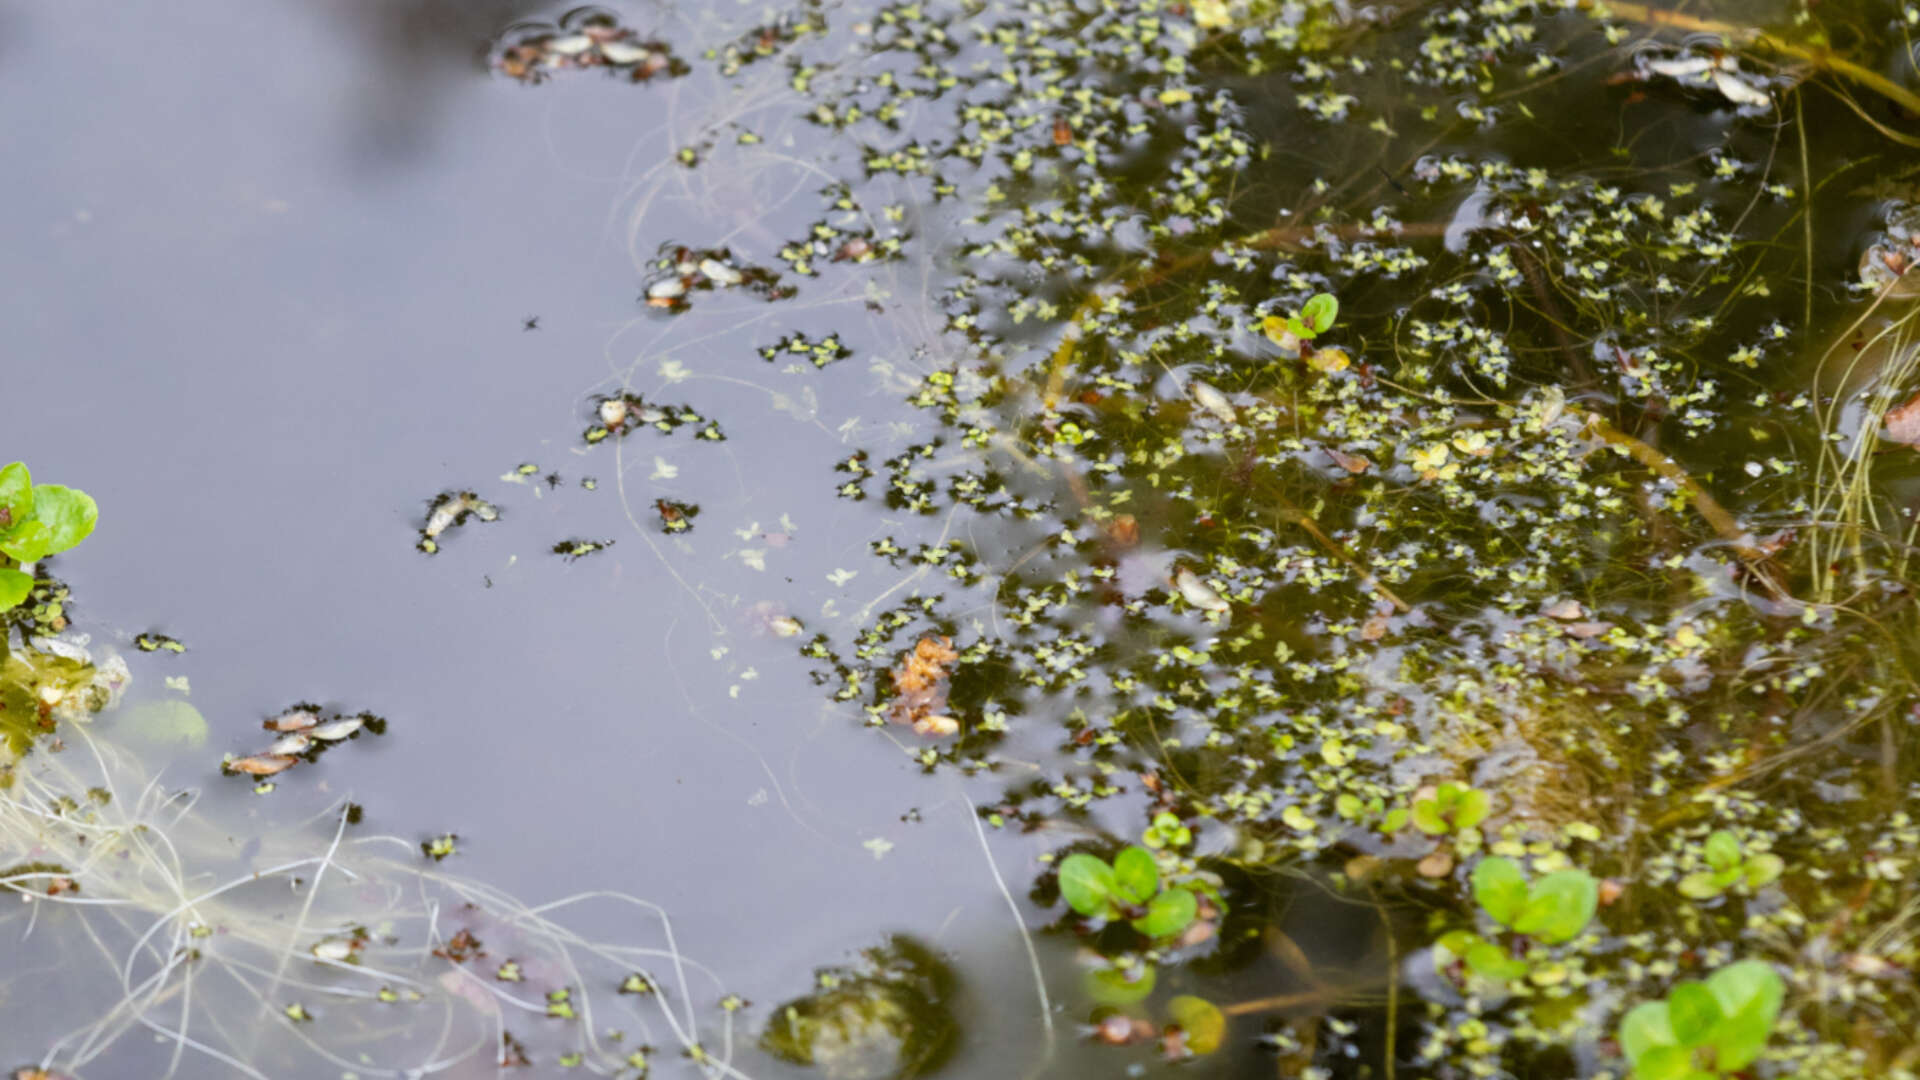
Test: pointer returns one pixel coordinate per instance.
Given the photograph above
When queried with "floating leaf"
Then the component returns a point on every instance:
(1646, 1027)
(14, 587)
(1491, 961)
(1114, 986)
(1087, 883)
(170, 721)
(1169, 913)
(1136, 875)
(1723, 850)
(1749, 993)
(1202, 1020)
(68, 514)
(1500, 889)
(1693, 1012)
(1559, 906)
(1761, 870)
(1319, 312)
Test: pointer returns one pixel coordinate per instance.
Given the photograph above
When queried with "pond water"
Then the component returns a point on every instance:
(815, 468)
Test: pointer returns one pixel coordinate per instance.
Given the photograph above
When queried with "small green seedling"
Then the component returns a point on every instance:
(1129, 888)
(1454, 808)
(1314, 318)
(1167, 832)
(1705, 1029)
(1727, 866)
(36, 522)
(1552, 910)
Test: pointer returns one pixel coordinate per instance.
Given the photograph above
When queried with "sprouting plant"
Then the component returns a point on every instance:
(36, 522)
(1314, 318)
(1130, 888)
(1729, 865)
(1552, 910)
(1167, 832)
(1453, 808)
(1704, 1029)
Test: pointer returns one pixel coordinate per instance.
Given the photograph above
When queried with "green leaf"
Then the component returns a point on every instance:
(1202, 1020)
(1665, 1063)
(1694, 1013)
(1559, 906)
(1299, 329)
(1136, 875)
(1457, 942)
(14, 587)
(28, 541)
(1087, 884)
(1749, 993)
(1111, 986)
(1427, 817)
(16, 495)
(1647, 1026)
(1500, 889)
(1491, 961)
(1723, 850)
(1320, 311)
(69, 513)
(1169, 913)
(1763, 870)
(166, 721)
(1474, 807)
(1701, 885)
(1395, 821)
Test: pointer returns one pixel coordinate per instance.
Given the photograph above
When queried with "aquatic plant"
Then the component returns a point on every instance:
(1130, 887)
(36, 520)
(1716, 1027)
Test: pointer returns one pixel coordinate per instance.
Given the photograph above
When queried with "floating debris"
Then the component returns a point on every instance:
(818, 353)
(298, 718)
(451, 509)
(259, 764)
(575, 550)
(626, 413)
(344, 728)
(1719, 71)
(152, 642)
(920, 688)
(532, 53)
(683, 271)
(1197, 592)
(676, 516)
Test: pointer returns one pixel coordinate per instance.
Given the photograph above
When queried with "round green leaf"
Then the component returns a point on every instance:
(1665, 1063)
(1086, 883)
(1500, 889)
(1320, 312)
(166, 721)
(1701, 885)
(16, 495)
(28, 541)
(1427, 817)
(1646, 1027)
(1559, 906)
(14, 587)
(1112, 986)
(1723, 850)
(1492, 962)
(1763, 870)
(69, 513)
(1136, 875)
(1204, 1023)
(1169, 913)
(1694, 1013)
(1473, 809)
(1749, 993)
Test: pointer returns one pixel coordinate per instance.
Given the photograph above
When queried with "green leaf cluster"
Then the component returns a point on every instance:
(1553, 909)
(36, 522)
(1454, 808)
(1314, 318)
(1130, 888)
(1167, 831)
(1728, 865)
(1704, 1029)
